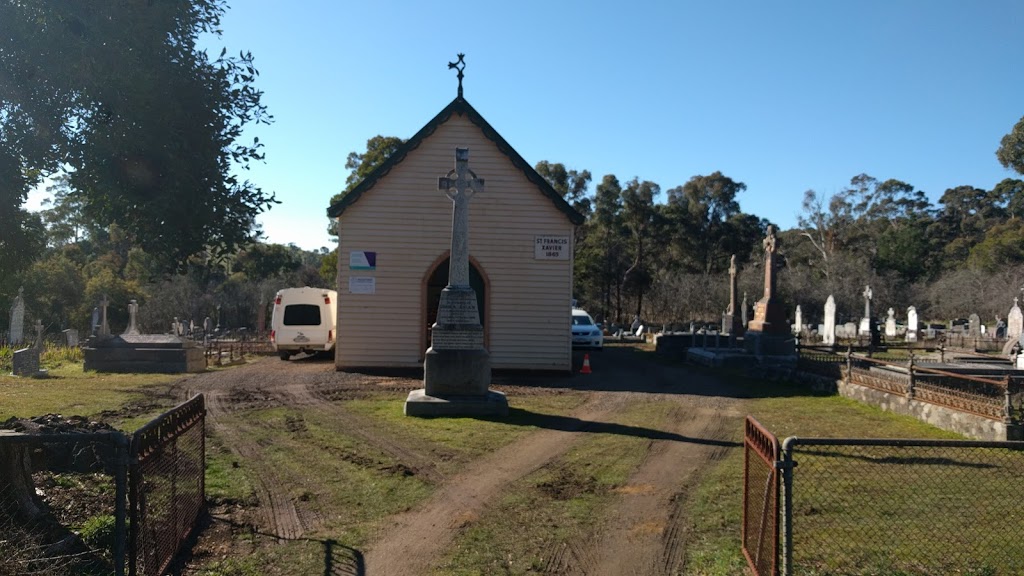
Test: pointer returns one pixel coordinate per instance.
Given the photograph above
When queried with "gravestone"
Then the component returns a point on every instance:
(457, 367)
(94, 326)
(866, 322)
(973, 326)
(890, 324)
(18, 318)
(730, 320)
(744, 311)
(1014, 322)
(849, 330)
(104, 325)
(25, 362)
(828, 330)
(912, 324)
(71, 337)
(133, 312)
(768, 334)
(798, 320)
(39, 335)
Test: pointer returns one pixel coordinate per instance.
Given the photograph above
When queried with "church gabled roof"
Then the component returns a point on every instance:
(461, 107)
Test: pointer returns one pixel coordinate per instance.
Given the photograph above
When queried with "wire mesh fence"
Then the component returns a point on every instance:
(167, 485)
(62, 503)
(862, 507)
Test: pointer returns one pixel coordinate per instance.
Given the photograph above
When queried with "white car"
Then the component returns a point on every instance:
(585, 333)
(304, 320)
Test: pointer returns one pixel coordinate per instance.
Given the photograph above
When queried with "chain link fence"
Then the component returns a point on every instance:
(167, 491)
(62, 502)
(74, 502)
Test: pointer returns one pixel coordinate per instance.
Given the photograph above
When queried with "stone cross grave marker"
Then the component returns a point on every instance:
(457, 367)
(829, 331)
(104, 325)
(744, 309)
(912, 324)
(866, 321)
(18, 318)
(890, 324)
(730, 320)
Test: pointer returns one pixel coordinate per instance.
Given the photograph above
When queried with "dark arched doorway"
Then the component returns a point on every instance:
(437, 281)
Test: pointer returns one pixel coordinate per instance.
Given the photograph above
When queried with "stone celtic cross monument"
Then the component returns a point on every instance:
(731, 319)
(457, 367)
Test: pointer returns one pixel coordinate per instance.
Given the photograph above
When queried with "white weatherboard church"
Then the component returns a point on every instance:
(394, 237)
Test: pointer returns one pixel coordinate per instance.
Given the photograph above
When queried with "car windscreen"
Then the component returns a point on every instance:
(302, 315)
(581, 321)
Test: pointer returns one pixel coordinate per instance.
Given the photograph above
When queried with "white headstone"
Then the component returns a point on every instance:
(18, 318)
(911, 324)
(890, 324)
(829, 330)
(798, 321)
(1014, 322)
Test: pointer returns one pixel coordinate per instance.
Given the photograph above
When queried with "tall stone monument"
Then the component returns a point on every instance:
(457, 367)
(745, 311)
(768, 334)
(829, 337)
(731, 320)
(133, 312)
(866, 321)
(18, 318)
(798, 320)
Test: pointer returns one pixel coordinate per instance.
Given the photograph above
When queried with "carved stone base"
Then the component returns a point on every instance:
(769, 318)
(419, 403)
(762, 344)
(456, 372)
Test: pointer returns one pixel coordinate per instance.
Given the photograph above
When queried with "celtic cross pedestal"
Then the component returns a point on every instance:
(457, 367)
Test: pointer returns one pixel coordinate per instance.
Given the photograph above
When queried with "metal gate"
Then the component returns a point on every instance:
(760, 499)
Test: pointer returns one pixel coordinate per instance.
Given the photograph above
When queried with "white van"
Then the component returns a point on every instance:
(304, 320)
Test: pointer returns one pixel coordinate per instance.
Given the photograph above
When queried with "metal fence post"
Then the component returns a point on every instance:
(1007, 403)
(849, 363)
(121, 447)
(786, 466)
(910, 382)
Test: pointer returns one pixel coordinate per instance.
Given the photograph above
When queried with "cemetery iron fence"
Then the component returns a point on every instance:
(994, 399)
(858, 506)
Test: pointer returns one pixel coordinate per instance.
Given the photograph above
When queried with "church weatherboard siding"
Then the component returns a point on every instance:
(407, 222)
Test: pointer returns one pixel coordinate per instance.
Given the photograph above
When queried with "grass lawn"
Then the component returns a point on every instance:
(865, 492)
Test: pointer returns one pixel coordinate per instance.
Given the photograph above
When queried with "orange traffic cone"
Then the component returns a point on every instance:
(586, 364)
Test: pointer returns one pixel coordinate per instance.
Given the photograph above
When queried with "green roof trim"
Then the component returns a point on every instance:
(461, 107)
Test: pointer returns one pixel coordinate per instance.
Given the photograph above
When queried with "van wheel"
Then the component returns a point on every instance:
(284, 355)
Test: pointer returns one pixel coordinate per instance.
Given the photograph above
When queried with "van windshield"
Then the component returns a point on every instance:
(302, 315)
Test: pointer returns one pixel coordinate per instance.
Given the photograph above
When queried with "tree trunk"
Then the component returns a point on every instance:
(17, 490)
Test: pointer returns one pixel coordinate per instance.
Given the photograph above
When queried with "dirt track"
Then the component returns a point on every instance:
(647, 536)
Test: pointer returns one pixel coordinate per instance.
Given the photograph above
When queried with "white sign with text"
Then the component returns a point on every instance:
(551, 248)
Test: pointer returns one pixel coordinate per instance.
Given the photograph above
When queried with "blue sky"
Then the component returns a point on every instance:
(783, 96)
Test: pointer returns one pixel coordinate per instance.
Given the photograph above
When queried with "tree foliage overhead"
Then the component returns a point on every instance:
(147, 125)
(361, 164)
(1011, 149)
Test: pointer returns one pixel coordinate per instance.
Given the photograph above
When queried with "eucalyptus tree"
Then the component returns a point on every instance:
(147, 125)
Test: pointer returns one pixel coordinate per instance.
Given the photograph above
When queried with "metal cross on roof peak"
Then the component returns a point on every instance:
(459, 65)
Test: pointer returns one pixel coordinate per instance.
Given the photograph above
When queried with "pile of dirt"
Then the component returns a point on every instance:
(55, 424)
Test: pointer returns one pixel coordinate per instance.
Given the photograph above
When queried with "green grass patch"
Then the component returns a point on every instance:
(916, 493)
(549, 509)
(73, 392)
(466, 438)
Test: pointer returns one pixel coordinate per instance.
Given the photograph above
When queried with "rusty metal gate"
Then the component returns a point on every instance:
(167, 485)
(760, 498)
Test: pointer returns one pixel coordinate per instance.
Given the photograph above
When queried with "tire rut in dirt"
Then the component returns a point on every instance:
(279, 512)
(646, 529)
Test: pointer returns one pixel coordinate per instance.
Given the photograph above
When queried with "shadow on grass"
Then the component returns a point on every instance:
(520, 417)
(338, 559)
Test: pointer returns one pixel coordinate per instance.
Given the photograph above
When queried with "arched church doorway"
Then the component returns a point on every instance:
(437, 280)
